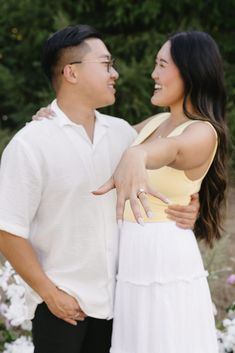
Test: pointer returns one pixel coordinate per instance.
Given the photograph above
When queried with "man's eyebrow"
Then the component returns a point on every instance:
(106, 56)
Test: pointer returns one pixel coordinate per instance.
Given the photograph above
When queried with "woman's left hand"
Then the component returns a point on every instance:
(131, 182)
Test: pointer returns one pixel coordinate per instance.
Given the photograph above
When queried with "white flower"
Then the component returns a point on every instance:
(14, 309)
(26, 325)
(21, 345)
(226, 338)
(226, 322)
(5, 274)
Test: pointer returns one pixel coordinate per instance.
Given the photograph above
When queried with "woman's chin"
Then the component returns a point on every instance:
(156, 101)
(153, 100)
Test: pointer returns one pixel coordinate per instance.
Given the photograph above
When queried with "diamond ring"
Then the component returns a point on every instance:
(141, 191)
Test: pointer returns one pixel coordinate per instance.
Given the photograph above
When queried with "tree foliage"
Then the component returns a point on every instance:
(133, 30)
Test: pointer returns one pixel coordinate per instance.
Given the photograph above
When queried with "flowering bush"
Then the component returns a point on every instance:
(226, 336)
(15, 330)
(22, 344)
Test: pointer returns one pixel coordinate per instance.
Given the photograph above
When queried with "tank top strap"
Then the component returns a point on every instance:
(150, 127)
(179, 129)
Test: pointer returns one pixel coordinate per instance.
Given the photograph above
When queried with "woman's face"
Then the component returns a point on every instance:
(169, 86)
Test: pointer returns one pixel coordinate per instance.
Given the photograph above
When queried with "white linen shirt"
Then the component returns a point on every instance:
(48, 171)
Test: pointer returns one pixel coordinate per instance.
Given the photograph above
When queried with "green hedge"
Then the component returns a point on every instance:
(133, 30)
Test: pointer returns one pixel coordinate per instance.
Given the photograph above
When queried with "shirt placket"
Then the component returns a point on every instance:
(101, 162)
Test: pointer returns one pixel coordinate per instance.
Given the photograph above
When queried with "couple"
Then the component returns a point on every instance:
(63, 240)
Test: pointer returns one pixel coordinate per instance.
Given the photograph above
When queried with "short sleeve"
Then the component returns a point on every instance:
(20, 188)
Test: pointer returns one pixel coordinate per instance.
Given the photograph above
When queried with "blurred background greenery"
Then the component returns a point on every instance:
(133, 30)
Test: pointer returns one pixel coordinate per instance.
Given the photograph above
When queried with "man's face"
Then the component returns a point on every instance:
(96, 76)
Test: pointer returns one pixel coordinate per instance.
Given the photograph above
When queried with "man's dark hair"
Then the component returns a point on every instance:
(70, 36)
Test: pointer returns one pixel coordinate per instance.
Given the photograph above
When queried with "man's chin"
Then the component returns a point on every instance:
(108, 102)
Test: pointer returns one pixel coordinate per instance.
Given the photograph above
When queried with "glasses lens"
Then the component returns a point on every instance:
(110, 64)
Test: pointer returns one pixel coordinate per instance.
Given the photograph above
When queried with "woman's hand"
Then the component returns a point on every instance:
(45, 112)
(131, 182)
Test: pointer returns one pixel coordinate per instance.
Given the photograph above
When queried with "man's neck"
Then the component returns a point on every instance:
(78, 113)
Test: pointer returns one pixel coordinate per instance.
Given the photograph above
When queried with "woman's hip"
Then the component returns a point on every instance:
(159, 252)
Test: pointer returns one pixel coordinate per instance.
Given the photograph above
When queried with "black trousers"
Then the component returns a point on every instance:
(53, 335)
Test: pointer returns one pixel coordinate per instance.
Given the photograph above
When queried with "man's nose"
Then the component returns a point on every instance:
(114, 73)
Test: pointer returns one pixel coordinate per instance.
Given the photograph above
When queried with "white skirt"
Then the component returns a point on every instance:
(162, 302)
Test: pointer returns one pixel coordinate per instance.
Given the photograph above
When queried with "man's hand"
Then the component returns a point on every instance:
(65, 307)
(185, 216)
(19, 252)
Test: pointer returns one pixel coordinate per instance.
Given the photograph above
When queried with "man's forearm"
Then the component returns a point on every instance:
(19, 252)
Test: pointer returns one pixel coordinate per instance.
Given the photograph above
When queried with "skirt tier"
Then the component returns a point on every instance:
(163, 302)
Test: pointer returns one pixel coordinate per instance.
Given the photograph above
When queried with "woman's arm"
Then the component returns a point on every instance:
(190, 150)
(184, 216)
(47, 112)
(187, 151)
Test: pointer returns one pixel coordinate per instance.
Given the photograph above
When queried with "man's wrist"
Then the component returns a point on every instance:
(48, 291)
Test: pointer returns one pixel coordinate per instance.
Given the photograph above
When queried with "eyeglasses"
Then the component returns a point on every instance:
(109, 63)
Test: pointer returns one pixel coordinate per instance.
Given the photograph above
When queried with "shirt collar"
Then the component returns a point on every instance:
(63, 120)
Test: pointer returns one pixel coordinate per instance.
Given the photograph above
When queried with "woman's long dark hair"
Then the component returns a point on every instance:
(198, 59)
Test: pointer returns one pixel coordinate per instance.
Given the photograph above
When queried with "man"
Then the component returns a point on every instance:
(59, 237)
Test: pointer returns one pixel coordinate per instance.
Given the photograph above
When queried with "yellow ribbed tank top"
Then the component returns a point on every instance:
(171, 182)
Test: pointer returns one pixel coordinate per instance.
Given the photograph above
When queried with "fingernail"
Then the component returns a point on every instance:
(119, 222)
(150, 214)
(168, 201)
(141, 221)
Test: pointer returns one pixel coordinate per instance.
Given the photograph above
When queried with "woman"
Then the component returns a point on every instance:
(163, 303)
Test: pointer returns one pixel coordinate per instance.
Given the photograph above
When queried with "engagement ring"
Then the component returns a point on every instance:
(141, 191)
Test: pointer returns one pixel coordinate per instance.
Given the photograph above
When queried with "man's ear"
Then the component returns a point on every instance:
(70, 74)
